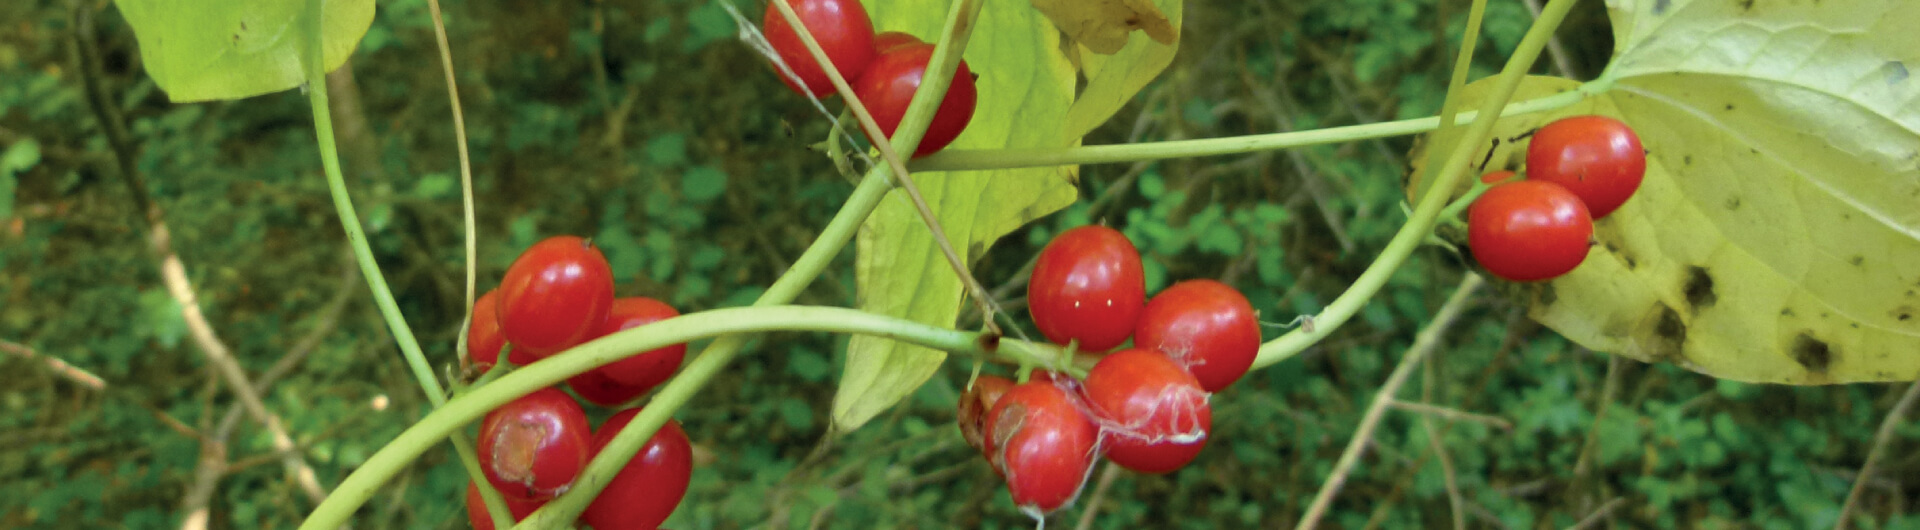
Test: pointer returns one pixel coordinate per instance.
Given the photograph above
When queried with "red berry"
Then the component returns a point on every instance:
(1087, 285)
(1204, 325)
(1528, 230)
(554, 295)
(599, 390)
(483, 335)
(646, 491)
(889, 85)
(974, 404)
(1043, 444)
(649, 368)
(1597, 158)
(533, 447)
(840, 27)
(889, 40)
(477, 509)
(1154, 415)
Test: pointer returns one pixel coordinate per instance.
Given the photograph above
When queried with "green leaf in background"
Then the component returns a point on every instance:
(199, 50)
(17, 159)
(1776, 237)
(1026, 90)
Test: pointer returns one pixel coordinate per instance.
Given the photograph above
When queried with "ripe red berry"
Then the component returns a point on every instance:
(649, 368)
(533, 447)
(888, 40)
(1087, 285)
(1043, 444)
(842, 29)
(477, 509)
(1204, 325)
(974, 405)
(646, 491)
(483, 335)
(889, 85)
(1597, 158)
(554, 295)
(596, 388)
(1154, 415)
(1528, 230)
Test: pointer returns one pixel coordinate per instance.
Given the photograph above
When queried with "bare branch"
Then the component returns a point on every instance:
(68, 371)
(1880, 441)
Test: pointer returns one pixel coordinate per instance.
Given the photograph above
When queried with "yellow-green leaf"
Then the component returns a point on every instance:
(1104, 26)
(198, 50)
(1112, 80)
(1776, 237)
(1026, 90)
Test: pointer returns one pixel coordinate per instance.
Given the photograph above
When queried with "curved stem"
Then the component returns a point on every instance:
(456, 414)
(972, 159)
(1421, 222)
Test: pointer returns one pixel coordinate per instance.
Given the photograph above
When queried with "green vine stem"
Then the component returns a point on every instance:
(363, 253)
(974, 159)
(726, 323)
(1421, 222)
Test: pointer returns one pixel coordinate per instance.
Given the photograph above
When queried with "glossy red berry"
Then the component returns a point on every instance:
(1154, 417)
(533, 447)
(1528, 230)
(840, 27)
(974, 405)
(1597, 158)
(483, 334)
(1087, 285)
(888, 40)
(646, 491)
(1204, 325)
(554, 295)
(477, 509)
(596, 388)
(1043, 444)
(649, 368)
(889, 85)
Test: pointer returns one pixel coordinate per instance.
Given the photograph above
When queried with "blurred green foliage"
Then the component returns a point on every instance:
(644, 125)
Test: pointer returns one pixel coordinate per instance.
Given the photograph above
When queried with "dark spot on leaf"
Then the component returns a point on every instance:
(1856, 260)
(1699, 288)
(1896, 72)
(1812, 353)
(1733, 203)
(1903, 313)
(1729, 106)
(1686, 160)
(1670, 334)
(1786, 312)
(1660, 6)
(1746, 5)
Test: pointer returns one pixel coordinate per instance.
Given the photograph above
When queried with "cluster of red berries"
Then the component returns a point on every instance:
(1145, 407)
(1579, 169)
(884, 70)
(556, 295)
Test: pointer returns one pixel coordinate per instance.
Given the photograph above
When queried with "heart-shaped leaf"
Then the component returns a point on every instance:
(1776, 236)
(199, 50)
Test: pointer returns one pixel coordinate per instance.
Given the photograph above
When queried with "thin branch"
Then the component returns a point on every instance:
(1583, 464)
(1452, 414)
(1597, 515)
(1880, 441)
(1561, 60)
(71, 372)
(173, 273)
(1423, 344)
(466, 165)
(1107, 477)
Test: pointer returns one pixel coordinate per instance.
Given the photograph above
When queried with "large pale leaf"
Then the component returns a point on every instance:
(1777, 235)
(1026, 90)
(199, 50)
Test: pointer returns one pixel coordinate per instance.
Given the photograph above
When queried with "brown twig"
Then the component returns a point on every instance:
(173, 272)
(68, 371)
(1879, 450)
(1423, 344)
(1107, 476)
(1597, 515)
(1452, 414)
